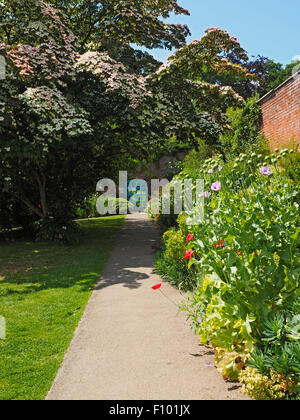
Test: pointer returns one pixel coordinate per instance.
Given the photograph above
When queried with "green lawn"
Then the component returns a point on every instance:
(44, 288)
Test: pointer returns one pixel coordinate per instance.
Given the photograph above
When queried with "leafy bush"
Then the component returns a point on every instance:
(170, 262)
(245, 261)
(56, 229)
(165, 221)
(258, 266)
(229, 365)
(262, 387)
(244, 135)
(279, 346)
(88, 208)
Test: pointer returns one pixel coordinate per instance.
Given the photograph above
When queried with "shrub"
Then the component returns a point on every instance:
(165, 221)
(88, 208)
(56, 229)
(245, 270)
(262, 387)
(170, 263)
(174, 241)
(244, 135)
(229, 365)
(248, 252)
(279, 346)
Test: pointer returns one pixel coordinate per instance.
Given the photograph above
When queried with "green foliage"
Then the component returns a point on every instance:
(279, 347)
(262, 387)
(273, 329)
(276, 73)
(229, 365)
(13, 216)
(244, 135)
(174, 241)
(195, 158)
(176, 273)
(259, 266)
(71, 103)
(88, 209)
(210, 100)
(247, 266)
(170, 263)
(165, 221)
(114, 26)
(59, 228)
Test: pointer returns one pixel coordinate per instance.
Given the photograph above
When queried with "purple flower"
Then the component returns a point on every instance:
(209, 365)
(216, 186)
(210, 171)
(207, 194)
(220, 168)
(265, 170)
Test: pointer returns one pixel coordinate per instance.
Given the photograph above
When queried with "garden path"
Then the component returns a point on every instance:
(131, 342)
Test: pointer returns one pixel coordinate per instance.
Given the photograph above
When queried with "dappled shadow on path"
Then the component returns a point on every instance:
(131, 260)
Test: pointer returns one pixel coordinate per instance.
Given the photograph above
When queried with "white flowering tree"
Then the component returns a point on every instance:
(58, 111)
(73, 105)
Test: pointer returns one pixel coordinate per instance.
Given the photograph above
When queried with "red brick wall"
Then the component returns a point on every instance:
(281, 115)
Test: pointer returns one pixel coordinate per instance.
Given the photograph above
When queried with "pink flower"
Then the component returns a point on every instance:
(220, 168)
(265, 170)
(189, 254)
(190, 237)
(210, 171)
(216, 186)
(207, 194)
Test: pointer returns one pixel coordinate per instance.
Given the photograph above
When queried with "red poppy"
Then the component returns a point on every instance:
(238, 252)
(221, 245)
(39, 206)
(190, 237)
(189, 254)
(157, 286)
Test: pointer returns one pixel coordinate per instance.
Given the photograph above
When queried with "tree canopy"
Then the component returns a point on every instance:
(78, 99)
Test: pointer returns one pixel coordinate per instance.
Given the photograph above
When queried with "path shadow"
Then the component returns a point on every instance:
(128, 278)
(235, 387)
(132, 257)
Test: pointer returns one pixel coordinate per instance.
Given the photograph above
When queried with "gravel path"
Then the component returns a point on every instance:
(132, 344)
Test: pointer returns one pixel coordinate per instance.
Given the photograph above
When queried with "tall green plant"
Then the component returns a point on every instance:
(244, 134)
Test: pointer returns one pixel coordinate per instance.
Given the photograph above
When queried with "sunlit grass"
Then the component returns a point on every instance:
(44, 288)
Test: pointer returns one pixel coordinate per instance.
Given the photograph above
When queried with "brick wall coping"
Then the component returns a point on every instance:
(273, 91)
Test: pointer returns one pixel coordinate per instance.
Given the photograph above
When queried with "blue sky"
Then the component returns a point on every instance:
(267, 27)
